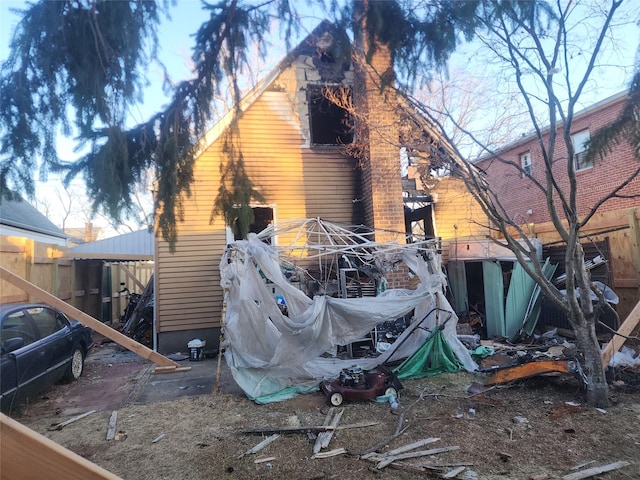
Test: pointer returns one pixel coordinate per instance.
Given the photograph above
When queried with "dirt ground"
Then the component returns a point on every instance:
(535, 429)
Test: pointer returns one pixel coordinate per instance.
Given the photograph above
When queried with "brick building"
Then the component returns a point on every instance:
(613, 232)
(526, 204)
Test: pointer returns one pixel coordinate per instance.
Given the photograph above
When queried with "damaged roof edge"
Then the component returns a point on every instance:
(218, 129)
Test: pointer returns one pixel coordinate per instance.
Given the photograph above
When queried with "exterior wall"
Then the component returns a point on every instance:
(519, 195)
(457, 215)
(297, 180)
(616, 219)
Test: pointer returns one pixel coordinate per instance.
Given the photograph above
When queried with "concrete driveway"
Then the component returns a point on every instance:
(115, 377)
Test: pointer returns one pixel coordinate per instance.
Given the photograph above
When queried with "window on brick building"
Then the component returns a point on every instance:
(329, 117)
(580, 141)
(525, 163)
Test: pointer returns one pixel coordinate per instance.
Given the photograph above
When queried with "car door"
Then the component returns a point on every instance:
(55, 341)
(21, 370)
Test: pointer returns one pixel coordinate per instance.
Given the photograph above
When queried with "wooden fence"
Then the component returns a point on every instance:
(38, 263)
(90, 285)
(622, 232)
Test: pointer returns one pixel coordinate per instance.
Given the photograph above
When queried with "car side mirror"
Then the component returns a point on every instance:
(12, 344)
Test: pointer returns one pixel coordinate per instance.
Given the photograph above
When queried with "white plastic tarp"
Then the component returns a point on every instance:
(273, 356)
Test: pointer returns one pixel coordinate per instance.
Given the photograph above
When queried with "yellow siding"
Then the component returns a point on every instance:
(457, 215)
(301, 182)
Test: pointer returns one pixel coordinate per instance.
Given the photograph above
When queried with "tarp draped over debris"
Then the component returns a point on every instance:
(273, 355)
(434, 357)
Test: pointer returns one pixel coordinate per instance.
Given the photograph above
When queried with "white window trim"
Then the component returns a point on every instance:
(526, 167)
(579, 139)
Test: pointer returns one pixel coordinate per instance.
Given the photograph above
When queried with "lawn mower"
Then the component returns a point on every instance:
(354, 383)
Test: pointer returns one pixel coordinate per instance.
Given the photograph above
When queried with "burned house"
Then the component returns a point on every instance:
(301, 135)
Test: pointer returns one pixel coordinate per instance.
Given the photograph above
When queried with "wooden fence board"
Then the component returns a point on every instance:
(87, 320)
(27, 455)
(627, 327)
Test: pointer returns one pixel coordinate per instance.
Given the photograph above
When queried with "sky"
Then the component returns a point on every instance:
(176, 42)
(175, 52)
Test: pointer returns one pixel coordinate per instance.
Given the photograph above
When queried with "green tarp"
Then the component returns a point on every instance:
(433, 358)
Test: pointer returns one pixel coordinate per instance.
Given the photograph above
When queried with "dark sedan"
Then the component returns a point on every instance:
(39, 346)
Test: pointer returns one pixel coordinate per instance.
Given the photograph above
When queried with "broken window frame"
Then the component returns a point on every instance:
(336, 116)
(231, 236)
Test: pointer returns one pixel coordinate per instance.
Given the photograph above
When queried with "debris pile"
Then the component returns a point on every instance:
(317, 271)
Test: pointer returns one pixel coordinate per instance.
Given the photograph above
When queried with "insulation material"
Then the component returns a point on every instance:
(273, 356)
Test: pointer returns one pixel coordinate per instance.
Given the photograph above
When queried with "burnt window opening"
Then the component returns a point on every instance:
(262, 218)
(325, 55)
(418, 223)
(324, 44)
(331, 123)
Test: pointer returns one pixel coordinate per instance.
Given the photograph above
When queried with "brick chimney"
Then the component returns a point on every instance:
(377, 129)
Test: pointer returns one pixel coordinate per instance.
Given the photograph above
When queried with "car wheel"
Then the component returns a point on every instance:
(391, 391)
(75, 368)
(336, 399)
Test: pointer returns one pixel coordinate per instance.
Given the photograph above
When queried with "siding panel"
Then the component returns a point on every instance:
(300, 182)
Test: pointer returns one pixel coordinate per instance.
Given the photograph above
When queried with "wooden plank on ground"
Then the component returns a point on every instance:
(171, 369)
(526, 370)
(326, 436)
(61, 425)
(357, 425)
(310, 435)
(262, 444)
(453, 473)
(625, 329)
(18, 460)
(272, 430)
(327, 420)
(113, 421)
(87, 320)
(411, 446)
(420, 453)
(264, 459)
(592, 472)
(330, 453)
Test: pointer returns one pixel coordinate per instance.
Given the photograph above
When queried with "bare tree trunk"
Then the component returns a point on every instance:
(591, 363)
(583, 320)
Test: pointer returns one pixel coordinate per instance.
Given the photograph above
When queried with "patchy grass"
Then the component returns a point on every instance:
(505, 433)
